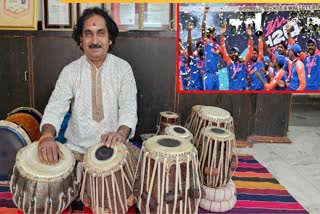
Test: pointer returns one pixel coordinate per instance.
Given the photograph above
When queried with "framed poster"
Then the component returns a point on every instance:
(157, 16)
(18, 15)
(82, 6)
(126, 15)
(57, 15)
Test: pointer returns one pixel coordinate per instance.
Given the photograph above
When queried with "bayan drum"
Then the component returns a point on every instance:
(41, 188)
(29, 119)
(167, 178)
(217, 159)
(213, 116)
(28, 110)
(166, 118)
(108, 178)
(178, 131)
(193, 119)
(12, 139)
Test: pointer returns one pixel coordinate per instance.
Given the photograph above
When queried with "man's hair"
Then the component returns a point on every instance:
(255, 49)
(284, 44)
(110, 24)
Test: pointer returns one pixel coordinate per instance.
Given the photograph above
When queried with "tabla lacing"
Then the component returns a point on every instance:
(178, 181)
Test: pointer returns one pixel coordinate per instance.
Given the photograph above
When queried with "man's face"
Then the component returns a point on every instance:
(266, 64)
(234, 55)
(95, 38)
(311, 48)
(200, 49)
(291, 54)
(281, 50)
(254, 56)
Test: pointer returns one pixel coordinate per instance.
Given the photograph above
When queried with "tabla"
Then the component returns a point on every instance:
(193, 119)
(167, 178)
(178, 131)
(217, 159)
(108, 178)
(28, 110)
(12, 138)
(41, 188)
(166, 118)
(29, 119)
(213, 116)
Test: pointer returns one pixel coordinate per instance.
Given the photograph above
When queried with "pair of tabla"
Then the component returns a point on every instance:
(106, 185)
(203, 116)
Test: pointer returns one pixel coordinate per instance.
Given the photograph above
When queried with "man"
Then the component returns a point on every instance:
(195, 63)
(254, 65)
(277, 81)
(236, 69)
(100, 88)
(183, 68)
(297, 79)
(281, 49)
(312, 66)
(211, 55)
(311, 61)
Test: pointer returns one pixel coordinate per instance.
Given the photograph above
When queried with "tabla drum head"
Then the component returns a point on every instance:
(12, 139)
(29, 164)
(103, 159)
(28, 110)
(169, 114)
(217, 133)
(178, 131)
(214, 113)
(168, 145)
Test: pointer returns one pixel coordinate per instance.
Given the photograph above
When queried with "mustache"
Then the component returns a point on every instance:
(95, 46)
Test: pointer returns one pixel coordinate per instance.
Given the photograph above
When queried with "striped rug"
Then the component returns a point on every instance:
(259, 192)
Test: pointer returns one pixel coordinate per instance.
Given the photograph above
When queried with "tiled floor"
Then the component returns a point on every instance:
(296, 165)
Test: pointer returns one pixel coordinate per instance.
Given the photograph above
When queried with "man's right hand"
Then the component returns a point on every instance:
(206, 9)
(49, 152)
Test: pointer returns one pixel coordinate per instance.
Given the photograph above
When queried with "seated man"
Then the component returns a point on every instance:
(100, 88)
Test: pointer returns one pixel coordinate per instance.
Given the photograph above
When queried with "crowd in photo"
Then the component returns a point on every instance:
(288, 66)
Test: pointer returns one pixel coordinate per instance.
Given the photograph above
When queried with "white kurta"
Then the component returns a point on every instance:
(119, 99)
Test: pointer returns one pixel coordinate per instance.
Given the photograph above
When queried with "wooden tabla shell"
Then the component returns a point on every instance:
(217, 158)
(167, 178)
(12, 139)
(167, 118)
(178, 131)
(41, 188)
(28, 123)
(107, 183)
(193, 119)
(213, 116)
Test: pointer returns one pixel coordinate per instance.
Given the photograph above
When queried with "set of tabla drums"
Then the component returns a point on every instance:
(211, 131)
(168, 177)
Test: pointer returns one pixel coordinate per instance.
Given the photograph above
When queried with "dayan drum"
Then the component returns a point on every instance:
(41, 188)
(12, 139)
(213, 116)
(166, 118)
(193, 119)
(108, 179)
(167, 178)
(178, 131)
(217, 159)
(29, 119)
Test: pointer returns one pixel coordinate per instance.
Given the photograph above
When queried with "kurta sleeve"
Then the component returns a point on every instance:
(128, 100)
(59, 102)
